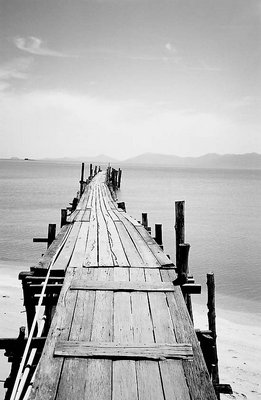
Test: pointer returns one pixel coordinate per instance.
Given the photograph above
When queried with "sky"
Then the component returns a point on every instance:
(125, 77)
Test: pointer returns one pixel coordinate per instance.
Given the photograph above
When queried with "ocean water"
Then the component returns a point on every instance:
(222, 217)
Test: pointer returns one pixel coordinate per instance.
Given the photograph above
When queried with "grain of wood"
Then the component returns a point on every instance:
(66, 253)
(148, 373)
(124, 372)
(155, 351)
(171, 371)
(196, 373)
(121, 286)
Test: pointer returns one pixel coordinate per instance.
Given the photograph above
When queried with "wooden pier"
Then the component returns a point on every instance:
(116, 326)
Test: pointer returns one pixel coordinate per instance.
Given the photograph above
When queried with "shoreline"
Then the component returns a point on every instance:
(238, 335)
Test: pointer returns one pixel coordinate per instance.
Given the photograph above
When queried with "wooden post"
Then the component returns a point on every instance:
(179, 227)
(51, 234)
(16, 353)
(119, 178)
(144, 220)
(122, 206)
(183, 271)
(95, 170)
(91, 171)
(212, 326)
(158, 235)
(115, 183)
(63, 217)
(28, 299)
(74, 204)
(82, 180)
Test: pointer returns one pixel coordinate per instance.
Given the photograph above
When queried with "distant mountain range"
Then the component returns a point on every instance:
(211, 160)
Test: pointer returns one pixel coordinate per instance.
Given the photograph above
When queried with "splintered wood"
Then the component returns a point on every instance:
(121, 330)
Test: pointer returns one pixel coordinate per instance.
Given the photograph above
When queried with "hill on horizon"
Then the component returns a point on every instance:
(210, 160)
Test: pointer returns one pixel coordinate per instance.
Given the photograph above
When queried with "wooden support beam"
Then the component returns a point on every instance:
(51, 234)
(158, 235)
(50, 288)
(144, 220)
(74, 204)
(63, 217)
(9, 343)
(183, 271)
(190, 288)
(223, 388)
(15, 355)
(155, 351)
(212, 326)
(91, 171)
(179, 227)
(82, 180)
(119, 178)
(122, 206)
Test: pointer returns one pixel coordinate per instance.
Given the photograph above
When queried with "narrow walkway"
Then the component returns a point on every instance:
(117, 295)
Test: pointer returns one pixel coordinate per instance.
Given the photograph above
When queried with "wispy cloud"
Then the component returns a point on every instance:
(35, 46)
(16, 69)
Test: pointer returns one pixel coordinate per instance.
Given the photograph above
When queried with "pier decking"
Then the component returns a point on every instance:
(121, 329)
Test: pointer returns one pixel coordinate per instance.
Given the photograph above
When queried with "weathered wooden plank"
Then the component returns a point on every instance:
(155, 351)
(148, 373)
(196, 373)
(105, 255)
(66, 253)
(98, 377)
(46, 259)
(74, 372)
(48, 372)
(145, 252)
(117, 250)
(122, 286)
(130, 249)
(91, 251)
(78, 254)
(163, 331)
(124, 372)
(155, 248)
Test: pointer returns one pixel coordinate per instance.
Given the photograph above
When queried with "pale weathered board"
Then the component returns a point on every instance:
(122, 286)
(155, 351)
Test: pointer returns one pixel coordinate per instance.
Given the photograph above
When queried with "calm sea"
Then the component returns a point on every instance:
(222, 217)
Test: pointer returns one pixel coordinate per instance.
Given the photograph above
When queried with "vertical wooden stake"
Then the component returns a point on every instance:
(115, 183)
(119, 178)
(91, 171)
(158, 235)
(74, 204)
(212, 325)
(82, 180)
(95, 170)
(144, 220)
(179, 227)
(183, 271)
(51, 234)
(122, 206)
(63, 217)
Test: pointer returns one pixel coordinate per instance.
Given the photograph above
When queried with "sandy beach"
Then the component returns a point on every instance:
(239, 337)
(239, 350)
